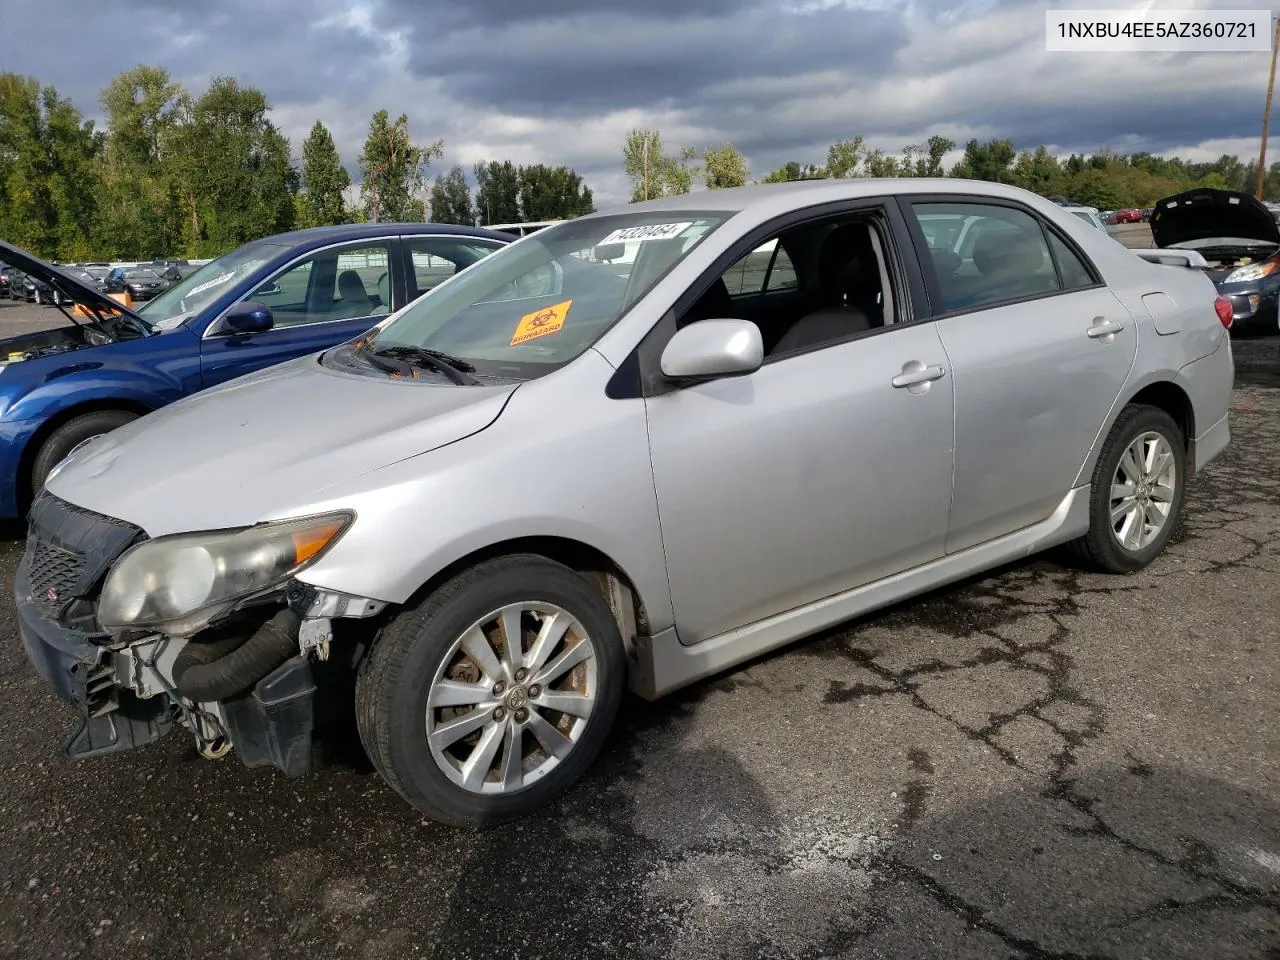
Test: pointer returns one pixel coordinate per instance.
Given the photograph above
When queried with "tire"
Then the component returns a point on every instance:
(419, 648)
(1101, 548)
(70, 435)
(36, 297)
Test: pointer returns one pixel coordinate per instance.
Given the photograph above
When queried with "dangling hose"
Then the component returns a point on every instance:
(217, 669)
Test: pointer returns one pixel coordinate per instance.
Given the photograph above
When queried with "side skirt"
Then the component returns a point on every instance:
(663, 665)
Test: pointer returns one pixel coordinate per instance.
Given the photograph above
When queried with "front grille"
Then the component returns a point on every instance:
(69, 550)
(55, 573)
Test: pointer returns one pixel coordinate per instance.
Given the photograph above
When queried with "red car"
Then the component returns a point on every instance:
(1129, 216)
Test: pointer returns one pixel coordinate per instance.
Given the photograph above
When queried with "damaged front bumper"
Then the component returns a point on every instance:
(265, 702)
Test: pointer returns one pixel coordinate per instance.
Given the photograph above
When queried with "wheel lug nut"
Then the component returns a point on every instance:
(499, 715)
(522, 716)
(498, 688)
(535, 690)
(521, 674)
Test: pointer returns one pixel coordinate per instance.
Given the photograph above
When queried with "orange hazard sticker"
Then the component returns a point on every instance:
(541, 322)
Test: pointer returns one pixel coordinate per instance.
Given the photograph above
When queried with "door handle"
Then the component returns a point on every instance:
(1103, 328)
(915, 373)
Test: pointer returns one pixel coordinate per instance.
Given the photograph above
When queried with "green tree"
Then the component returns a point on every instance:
(930, 165)
(28, 211)
(393, 169)
(324, 179)
(451, 198)
(724, 166)
(990, 161)
(878, 164)
(552, 193)
(1038, 171)
(794, 170)
(652, 172)
(49, 183)
(140, 213)
(844, 158)
(233, 167)
(497, 192)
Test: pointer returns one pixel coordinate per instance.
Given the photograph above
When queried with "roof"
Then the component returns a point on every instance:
(787, 195)
(363, 231)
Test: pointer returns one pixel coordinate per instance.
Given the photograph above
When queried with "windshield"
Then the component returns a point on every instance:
(197, 291)
(141, 275)
(539, 303)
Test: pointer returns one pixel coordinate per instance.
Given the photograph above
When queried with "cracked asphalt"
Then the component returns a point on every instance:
(1037, 763)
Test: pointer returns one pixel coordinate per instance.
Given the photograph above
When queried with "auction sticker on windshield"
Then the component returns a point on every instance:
(653, 231)
(210, 284)
(541, 322)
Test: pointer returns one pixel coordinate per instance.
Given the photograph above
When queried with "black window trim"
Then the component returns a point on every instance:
(639, 376)
(908, 200)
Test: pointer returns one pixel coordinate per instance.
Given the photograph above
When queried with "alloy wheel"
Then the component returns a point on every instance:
(1143, 490)
(511, 698)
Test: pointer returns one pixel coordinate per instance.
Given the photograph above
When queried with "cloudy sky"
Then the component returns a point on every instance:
(561, 81)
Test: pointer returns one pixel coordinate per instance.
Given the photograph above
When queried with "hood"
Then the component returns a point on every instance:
(1204, 213)
(75, 290)
(254, 448)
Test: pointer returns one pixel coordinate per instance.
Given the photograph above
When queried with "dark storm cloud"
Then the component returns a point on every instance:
(561, 80)
(601, 59)
(283, 46)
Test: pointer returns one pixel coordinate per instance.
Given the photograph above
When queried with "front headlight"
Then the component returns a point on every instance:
(1255, 271)
(179, 583)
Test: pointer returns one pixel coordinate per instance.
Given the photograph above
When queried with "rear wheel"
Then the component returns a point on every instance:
(494, 695)
(1137, 491)
(70, 435)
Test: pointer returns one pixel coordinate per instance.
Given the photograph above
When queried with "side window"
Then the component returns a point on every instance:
(782, 275)
(765, 269)
(337, 284)
(844, 294)
(1001, 254)
(1075, 274)
(436, 259)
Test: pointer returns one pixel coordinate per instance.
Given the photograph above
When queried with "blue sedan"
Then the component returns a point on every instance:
(269, 301)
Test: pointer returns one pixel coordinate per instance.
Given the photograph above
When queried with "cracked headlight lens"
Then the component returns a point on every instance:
(177, 584)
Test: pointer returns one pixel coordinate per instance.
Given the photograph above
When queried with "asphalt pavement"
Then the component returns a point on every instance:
(1038, 763)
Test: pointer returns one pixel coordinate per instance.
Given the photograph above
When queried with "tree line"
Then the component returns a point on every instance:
(1104, 179)
(173, 173)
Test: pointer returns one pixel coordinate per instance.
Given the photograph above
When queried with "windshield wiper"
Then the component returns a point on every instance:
(459, 371)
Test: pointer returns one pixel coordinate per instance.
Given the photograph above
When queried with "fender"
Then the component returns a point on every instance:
(1132, 388)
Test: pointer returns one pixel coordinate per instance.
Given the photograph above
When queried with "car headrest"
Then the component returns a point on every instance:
(1004, 251)
(847, 262)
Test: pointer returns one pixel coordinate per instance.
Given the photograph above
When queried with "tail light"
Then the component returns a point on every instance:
(1222, 306)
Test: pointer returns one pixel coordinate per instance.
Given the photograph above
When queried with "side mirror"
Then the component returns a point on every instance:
(610, 251)
(710, 349)
(248, 316)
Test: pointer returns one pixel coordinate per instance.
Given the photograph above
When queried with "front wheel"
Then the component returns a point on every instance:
(1137, 491)
(70, 435)
(494, 694)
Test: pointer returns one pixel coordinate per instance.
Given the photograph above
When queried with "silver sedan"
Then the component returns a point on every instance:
(635, 448)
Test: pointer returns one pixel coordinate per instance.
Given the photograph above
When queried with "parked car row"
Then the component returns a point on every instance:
(140, 281)
(635, 448)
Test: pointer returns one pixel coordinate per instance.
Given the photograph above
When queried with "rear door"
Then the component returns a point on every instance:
(1039, 349)
(320, 299)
